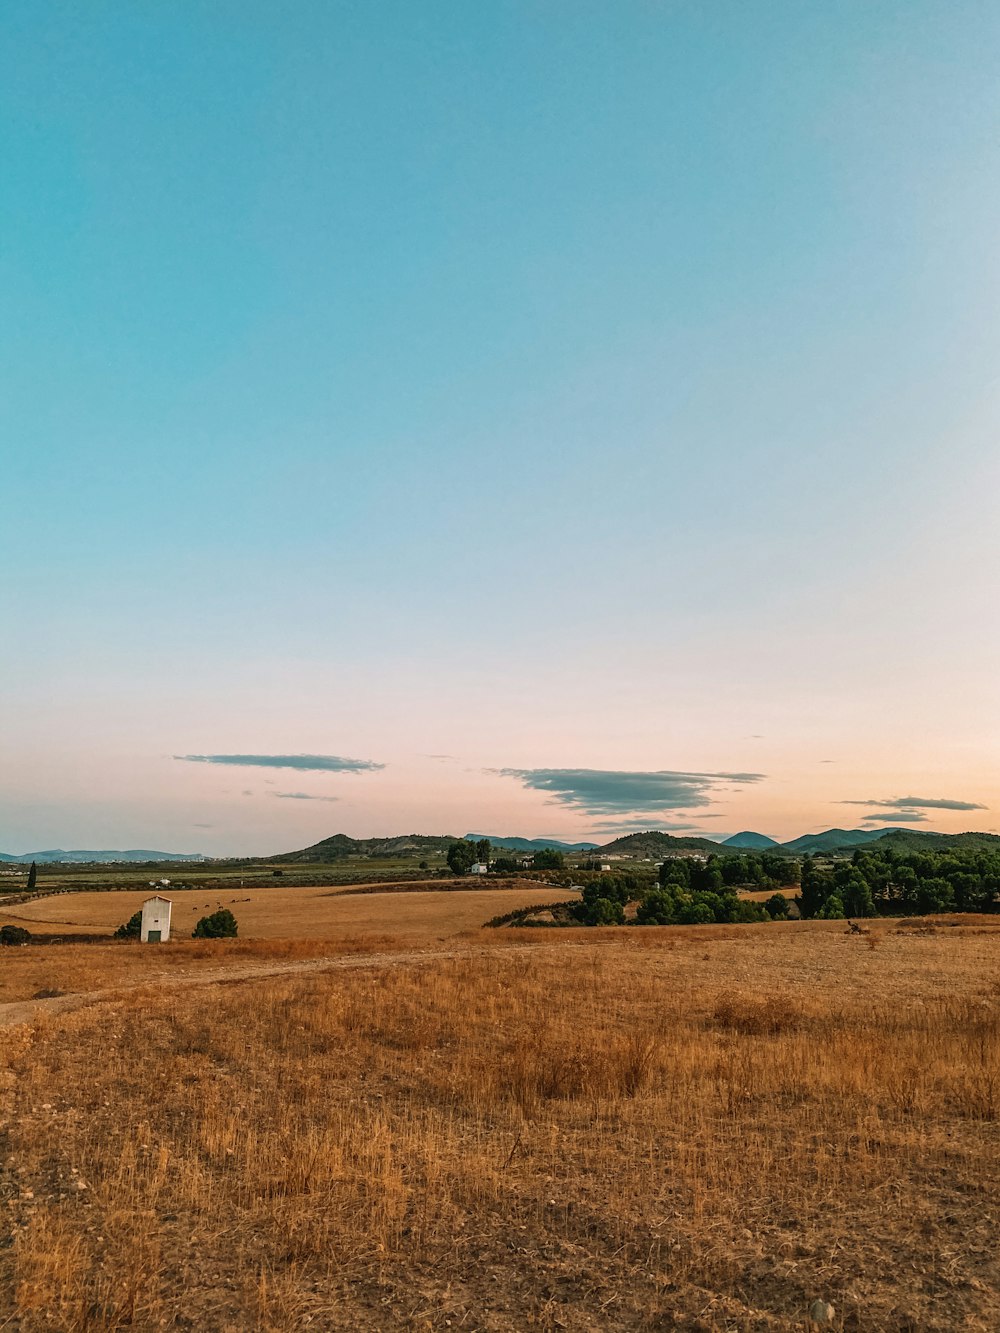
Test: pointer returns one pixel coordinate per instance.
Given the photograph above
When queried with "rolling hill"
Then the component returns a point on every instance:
(657, 844)
(837, 840)
(914, 840)
(749, 842)
(340, 846)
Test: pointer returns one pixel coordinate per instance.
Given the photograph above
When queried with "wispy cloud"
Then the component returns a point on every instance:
(300, 796)
(610, 792)
(303, 763)
(203, 826)
(919, 803)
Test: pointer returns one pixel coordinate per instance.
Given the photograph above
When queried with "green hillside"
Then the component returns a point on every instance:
(750, 842)
(911, 840)
(657, 845)
(340, 847)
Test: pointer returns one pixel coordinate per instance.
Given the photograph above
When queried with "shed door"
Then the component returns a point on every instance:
(153, 937)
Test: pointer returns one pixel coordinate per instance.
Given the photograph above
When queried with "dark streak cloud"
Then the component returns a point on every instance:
(900, 817)
(609, 792)
(303, 763)
(300, 796)
(918, 803)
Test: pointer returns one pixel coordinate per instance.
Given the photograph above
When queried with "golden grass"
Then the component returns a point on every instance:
(289, 913)
(707, 1131)
(68, 969)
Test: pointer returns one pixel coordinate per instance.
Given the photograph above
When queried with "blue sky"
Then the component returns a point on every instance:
(558, 388)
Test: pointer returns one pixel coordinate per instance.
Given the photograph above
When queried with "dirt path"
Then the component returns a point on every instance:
(26, 1011)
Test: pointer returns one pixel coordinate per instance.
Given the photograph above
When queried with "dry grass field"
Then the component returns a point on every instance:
(703, 1128)
(291, 913)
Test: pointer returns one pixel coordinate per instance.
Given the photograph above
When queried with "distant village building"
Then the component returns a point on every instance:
(478, 868)
(155, 927)
(604, 865)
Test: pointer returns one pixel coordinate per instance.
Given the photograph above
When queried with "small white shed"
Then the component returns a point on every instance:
(478, 868)
(155, 920)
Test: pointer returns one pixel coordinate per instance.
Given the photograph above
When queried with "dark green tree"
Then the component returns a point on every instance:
(602, 912)
(833, 908)
(483, 850)
(461, 855)
(221, 925)
(32, 878)
(14, 935)
(547, 858)
(676, 870)
(935, 895)
(707, 876)
(132, 928)
(658, 908)
(816, 887)
(777, 906)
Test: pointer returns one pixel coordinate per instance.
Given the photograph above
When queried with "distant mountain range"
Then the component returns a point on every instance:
(652, 845)
(531, 844)
(58, 856)
(843, 840)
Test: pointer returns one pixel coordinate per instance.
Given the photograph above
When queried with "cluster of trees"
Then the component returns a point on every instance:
(887, 882)
(669, 904)
(463, 855)
(691, 892)
(672, 905)
(749, 870)
(547, 858)
(14, 935)
(603, 899)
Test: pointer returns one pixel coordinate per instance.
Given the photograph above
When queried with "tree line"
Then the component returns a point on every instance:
(883, 882)
(886, 882)
(463, 855)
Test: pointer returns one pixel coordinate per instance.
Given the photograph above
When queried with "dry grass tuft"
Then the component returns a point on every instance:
(754, 1016)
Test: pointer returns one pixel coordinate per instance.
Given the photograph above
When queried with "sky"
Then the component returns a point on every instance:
(544, 418)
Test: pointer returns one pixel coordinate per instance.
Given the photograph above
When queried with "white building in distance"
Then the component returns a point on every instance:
(478, 868)
(155, 927)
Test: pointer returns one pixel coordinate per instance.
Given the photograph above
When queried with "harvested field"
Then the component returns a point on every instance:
(290, 913)
(606, 1130)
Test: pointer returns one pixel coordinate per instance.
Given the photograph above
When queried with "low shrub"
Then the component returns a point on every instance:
(221, 925)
